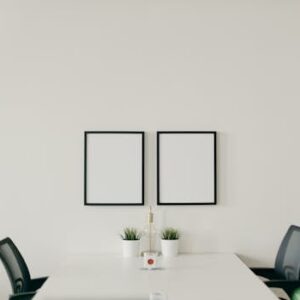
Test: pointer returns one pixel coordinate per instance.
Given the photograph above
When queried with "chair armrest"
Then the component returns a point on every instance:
(22, 296)
(37, 283)
(288, 285)
(268, 273)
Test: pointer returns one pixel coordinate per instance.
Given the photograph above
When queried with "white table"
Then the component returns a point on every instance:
(186, 277)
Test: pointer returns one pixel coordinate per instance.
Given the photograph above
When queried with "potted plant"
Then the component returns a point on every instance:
(131, 242)
(169, 241)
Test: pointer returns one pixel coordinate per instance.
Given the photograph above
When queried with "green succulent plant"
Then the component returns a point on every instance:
(170, 234)
(130, 234)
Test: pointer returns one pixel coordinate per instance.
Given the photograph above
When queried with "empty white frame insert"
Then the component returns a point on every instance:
(114, 168)
(186, 167)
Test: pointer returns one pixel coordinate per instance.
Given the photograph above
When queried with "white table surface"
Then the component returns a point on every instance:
(186, 277)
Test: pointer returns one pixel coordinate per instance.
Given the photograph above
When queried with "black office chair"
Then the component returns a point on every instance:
(286, 273)
(24, 288)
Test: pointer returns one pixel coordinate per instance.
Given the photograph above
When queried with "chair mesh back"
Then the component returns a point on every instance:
(15, 266)
(288, 258)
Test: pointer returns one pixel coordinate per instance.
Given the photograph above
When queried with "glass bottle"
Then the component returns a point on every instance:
(150, 233)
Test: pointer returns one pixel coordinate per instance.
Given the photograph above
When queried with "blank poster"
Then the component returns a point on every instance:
(186, 168)
(114, 166)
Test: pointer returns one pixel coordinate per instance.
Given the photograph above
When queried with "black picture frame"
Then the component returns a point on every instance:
(86, 167)
(159, 135)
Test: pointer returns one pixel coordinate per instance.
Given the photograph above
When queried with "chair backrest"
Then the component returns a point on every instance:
(287, 262)
(15, 266)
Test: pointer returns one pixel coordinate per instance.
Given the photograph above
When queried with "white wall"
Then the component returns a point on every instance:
(70, 66)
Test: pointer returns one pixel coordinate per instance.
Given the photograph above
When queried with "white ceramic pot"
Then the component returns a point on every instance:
(131, 248)
(169, 247)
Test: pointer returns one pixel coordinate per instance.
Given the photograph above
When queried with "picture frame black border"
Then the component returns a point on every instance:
(86, 133)
(158, 135)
